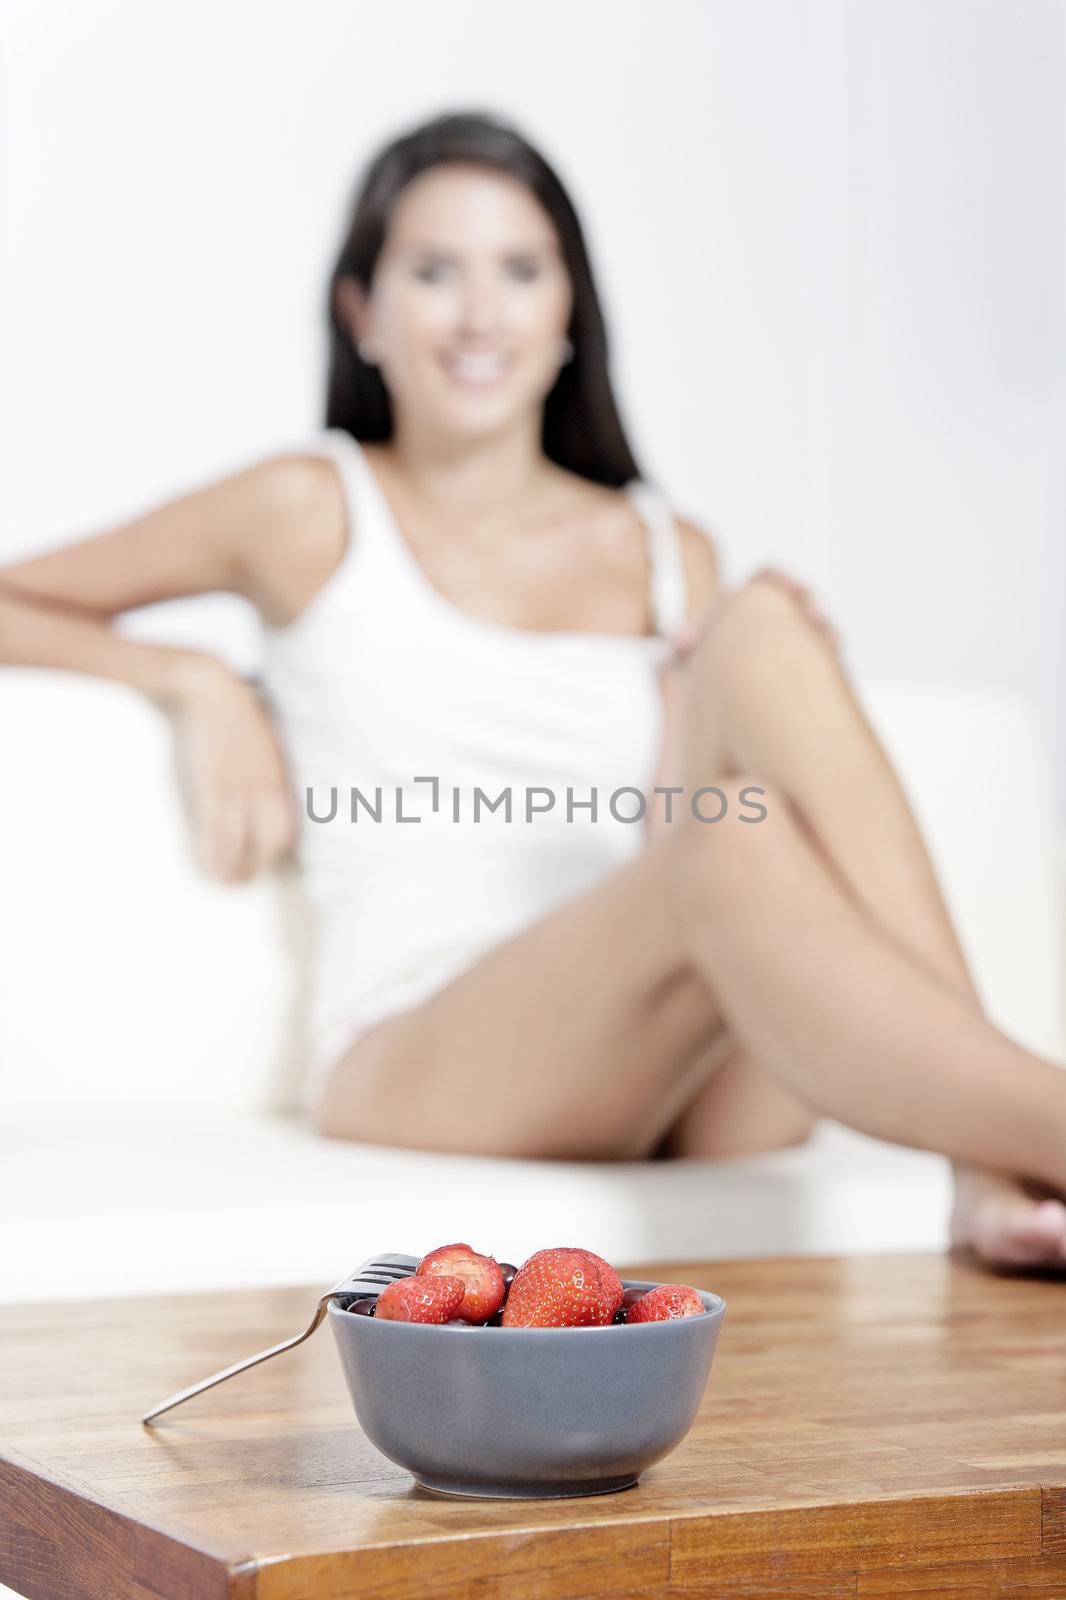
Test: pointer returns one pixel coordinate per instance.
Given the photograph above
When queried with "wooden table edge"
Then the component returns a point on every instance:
(148, 1562)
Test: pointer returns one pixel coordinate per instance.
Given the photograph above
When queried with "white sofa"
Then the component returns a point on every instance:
(151, 1036)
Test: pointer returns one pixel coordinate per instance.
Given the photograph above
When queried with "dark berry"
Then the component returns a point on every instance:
(364, 1307)
(620, 1315)
(631, 1296)
(495, 1321)
(508, 1274)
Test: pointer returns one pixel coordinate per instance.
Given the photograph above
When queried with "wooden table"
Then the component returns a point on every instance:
(873, 1426)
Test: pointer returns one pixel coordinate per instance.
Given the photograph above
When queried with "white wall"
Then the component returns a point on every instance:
(830, 235)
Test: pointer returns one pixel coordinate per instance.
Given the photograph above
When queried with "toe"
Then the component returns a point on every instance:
(1024, 1234)
(1004, 1224)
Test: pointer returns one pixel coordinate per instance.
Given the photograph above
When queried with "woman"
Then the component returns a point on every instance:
(482, 592)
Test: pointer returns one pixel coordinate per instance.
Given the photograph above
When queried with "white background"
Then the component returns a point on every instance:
(829, 235)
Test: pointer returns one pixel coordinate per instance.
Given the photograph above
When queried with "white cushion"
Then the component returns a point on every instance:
(131, 978)
(145, 1205)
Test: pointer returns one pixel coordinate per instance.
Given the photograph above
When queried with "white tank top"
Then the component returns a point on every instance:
(381, 680)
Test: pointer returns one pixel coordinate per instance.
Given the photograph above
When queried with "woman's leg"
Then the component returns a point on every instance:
(585, 1034)
(834, 1008)
(741, 1108)
(582, 1036)
(765, 691)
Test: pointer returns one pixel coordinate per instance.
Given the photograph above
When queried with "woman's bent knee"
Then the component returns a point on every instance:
(758, 623)
(758, 604)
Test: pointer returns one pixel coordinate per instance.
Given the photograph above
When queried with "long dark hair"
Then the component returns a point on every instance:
(582, 427)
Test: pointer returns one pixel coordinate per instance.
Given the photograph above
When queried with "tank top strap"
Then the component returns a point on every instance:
(366, 511)
(669, 587)
(344, 452)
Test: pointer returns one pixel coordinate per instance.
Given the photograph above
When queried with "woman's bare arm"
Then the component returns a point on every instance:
(42, 635)
(271, 533)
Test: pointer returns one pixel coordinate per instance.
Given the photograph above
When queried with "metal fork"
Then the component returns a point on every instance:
(370, 1279)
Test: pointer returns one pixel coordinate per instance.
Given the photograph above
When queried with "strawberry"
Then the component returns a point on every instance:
(482, 1276)
(415, 1299)
(665, 1301)
(563, 1288)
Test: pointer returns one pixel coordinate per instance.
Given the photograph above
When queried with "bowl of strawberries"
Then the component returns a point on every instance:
(556, 1377)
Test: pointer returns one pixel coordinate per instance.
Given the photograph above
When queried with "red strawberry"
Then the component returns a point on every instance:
(563, 1288)
(418, 1299)
(482, 1276)
(665, 1301)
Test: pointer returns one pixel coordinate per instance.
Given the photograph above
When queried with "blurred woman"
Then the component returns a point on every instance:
(468, 588)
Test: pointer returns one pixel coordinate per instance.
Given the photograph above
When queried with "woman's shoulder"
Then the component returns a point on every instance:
(304, 477)
(302, 531)
(286, 487)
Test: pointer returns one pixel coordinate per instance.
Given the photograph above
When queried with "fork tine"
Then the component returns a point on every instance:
(376, 1273)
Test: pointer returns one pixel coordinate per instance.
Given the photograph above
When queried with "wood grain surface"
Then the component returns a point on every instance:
(873, 1426)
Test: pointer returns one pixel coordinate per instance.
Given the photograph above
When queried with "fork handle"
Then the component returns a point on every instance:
(240, 1366)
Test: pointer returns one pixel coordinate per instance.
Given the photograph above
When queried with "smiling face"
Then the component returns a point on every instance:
(470, 300)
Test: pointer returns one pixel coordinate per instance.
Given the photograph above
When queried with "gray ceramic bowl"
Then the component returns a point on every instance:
(527, 1412)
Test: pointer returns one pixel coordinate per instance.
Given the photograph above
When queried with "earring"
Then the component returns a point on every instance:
(367, 351)
(567, 353)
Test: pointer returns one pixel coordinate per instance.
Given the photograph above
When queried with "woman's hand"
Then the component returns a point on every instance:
(691, 631)
(231, 772)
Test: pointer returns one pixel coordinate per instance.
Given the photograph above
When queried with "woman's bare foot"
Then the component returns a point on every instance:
(1008, 1222)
